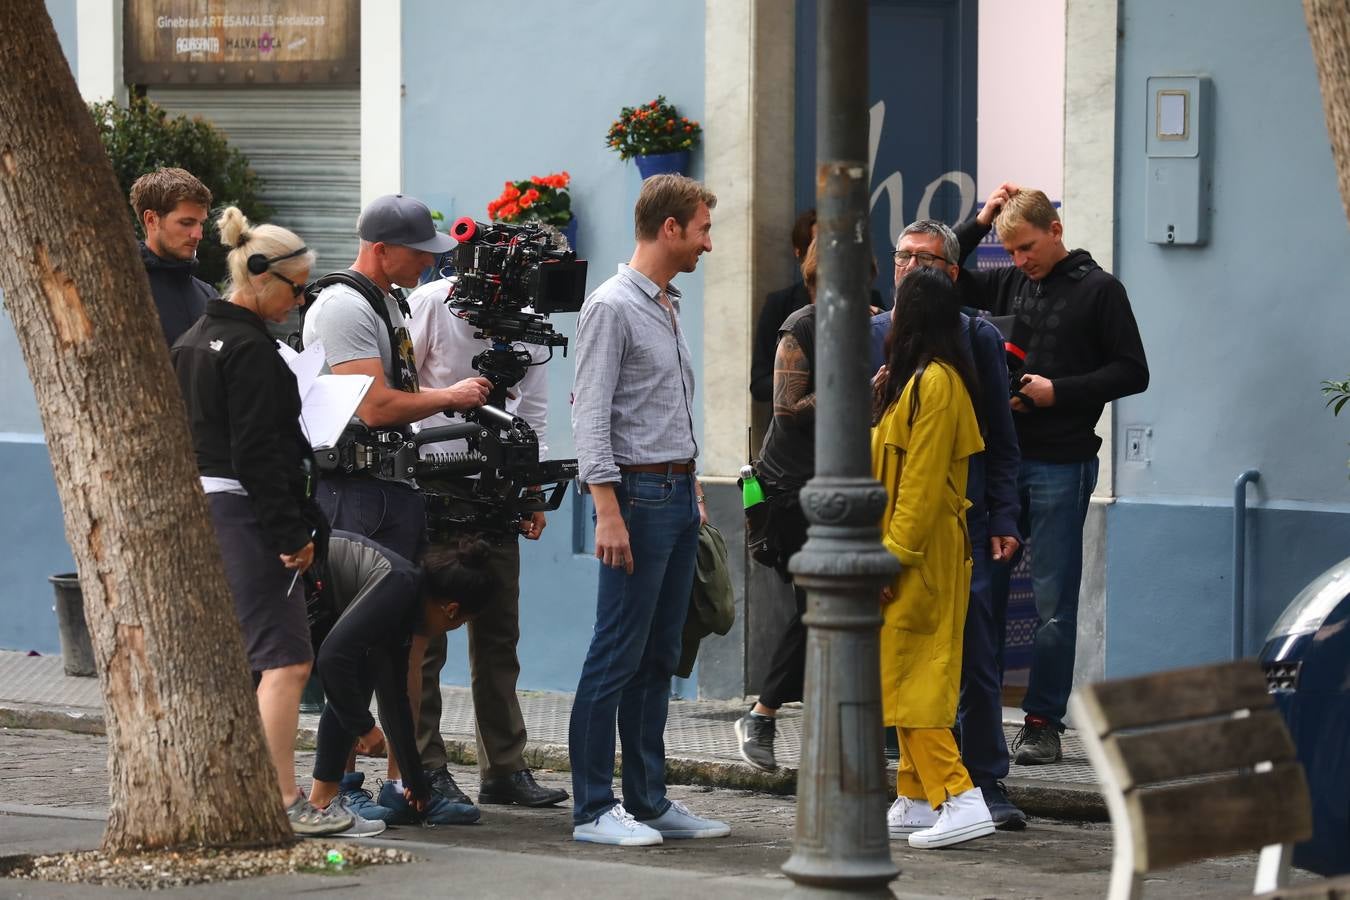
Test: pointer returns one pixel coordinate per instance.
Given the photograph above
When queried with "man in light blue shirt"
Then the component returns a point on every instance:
(633, 425)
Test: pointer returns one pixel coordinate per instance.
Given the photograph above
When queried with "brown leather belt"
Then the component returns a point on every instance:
(677, 468)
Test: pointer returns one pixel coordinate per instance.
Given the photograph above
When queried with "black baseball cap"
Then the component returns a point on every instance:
(403, 221)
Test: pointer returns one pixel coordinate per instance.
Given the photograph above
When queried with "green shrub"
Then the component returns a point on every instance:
(142, 137)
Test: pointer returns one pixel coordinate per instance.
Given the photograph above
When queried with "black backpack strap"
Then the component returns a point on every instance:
(399, 345)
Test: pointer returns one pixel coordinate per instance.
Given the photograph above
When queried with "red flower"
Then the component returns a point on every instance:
(510, 211)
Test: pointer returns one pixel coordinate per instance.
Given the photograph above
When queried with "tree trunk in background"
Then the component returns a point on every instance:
(184, 738)
(1329, 29)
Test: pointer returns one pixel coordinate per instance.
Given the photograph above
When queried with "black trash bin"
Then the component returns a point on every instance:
(77, 650)
(1307, 664)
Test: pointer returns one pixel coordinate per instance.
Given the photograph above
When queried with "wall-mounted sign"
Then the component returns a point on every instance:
(241, 41)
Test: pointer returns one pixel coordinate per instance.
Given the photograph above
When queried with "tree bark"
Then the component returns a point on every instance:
(1329, 30)
(184, 737)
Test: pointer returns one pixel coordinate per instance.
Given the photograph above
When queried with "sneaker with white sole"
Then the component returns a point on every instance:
(678, 822)
(756, 734)
(358, 801)
(908, 815)
(307, 820)
(962, 818)
(615, 826)
(360, 827)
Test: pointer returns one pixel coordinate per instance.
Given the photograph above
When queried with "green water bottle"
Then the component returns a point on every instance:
(752, 492)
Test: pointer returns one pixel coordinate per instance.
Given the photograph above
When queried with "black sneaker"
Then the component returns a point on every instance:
(756, 734)
(1037, 745)
(443, 783)
(1003, 811)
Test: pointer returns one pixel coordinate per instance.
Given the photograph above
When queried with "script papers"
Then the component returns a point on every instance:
(327, 402)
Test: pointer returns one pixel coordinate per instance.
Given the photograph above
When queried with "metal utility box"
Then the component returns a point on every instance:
(1177, 150)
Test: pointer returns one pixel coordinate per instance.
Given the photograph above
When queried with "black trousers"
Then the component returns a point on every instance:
(787, 668)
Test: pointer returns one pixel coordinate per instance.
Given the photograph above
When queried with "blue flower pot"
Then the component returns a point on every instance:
(570, 232)
(663, 163)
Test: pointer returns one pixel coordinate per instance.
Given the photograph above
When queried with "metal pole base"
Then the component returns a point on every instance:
(841, 841)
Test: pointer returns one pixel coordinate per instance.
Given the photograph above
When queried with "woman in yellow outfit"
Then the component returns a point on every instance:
(924, 432)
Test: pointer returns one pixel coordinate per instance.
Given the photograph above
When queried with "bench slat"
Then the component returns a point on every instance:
(1199, 748)
(1182, 823)
(1175, 696)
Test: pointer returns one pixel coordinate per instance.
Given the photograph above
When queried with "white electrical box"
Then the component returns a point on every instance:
(1176, 188)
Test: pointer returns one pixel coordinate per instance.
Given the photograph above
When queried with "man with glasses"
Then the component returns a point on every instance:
(991, 522)
(1083, 351)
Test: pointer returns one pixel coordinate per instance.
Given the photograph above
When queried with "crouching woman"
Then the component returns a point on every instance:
(924, 432)
(386, 608)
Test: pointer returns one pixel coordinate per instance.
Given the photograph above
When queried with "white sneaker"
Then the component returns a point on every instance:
(616, 826)
(962, 818)
(908, 815)
(679, 822)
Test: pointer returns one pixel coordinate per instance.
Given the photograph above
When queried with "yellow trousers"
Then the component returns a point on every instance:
(930, 766)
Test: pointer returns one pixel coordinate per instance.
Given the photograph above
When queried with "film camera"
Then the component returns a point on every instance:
(507, 280)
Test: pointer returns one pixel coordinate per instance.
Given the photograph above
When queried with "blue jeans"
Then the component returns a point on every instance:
(639, 622)
(1055, 499)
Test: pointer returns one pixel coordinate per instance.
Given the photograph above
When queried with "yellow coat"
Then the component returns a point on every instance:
(923, 468)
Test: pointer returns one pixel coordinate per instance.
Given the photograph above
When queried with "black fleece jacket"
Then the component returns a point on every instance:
(180, 297)
(1079, 332)
(243, 408)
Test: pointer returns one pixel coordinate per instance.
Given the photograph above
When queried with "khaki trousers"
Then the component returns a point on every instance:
(494, 668)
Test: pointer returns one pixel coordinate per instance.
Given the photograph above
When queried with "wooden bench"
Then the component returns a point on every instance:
(1195, 763)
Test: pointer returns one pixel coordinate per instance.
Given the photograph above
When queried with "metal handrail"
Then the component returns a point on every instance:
(1240, 560)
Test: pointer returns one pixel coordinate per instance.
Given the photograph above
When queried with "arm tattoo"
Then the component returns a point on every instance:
(791, 375)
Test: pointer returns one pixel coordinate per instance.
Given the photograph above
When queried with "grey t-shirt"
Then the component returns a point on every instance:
(349, 329)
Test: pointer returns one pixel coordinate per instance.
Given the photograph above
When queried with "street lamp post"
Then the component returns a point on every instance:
(841, 842)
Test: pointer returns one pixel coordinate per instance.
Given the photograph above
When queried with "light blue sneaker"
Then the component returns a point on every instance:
(439, 811)
(359, 801)
(678, 822)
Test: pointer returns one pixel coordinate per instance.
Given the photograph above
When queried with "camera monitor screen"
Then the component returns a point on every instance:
(562, 286)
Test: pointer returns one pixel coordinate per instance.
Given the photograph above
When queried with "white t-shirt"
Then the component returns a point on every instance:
(445, 347)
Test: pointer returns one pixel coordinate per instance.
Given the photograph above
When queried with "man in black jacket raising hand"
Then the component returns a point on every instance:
(1083, 350)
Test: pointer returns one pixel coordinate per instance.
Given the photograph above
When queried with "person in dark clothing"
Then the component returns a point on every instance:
(385, 607)
(172, 206)
(243, 408)
(777, 307)
(787, 461)
(1083, 351)
(991, 521)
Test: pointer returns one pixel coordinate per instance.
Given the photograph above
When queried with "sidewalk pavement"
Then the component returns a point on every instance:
(701, 747)
(54, 790)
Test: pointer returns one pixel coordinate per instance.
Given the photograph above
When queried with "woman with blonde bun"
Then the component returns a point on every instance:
(257, 471)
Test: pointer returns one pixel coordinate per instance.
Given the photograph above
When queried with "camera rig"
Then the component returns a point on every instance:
(508, 278)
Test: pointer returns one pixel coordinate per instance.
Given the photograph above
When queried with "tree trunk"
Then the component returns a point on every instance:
(185, 741)
(1329, 30)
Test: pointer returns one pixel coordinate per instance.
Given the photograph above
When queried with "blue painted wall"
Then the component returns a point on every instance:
(497, 93)
(32, 538)
(63, 18)
(1239, 334)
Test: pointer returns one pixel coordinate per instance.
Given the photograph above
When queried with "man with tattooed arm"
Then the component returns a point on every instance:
(787, 462)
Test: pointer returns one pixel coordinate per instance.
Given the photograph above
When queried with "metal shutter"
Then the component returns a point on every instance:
(305, 145)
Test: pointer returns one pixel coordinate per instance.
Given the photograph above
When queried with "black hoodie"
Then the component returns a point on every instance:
(180, 297)
(1081, 334)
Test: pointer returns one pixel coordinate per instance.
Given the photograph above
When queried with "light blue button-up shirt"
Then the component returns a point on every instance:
(633, 392)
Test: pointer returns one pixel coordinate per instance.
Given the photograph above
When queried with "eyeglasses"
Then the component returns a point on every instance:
(903, 257)
(296, 289)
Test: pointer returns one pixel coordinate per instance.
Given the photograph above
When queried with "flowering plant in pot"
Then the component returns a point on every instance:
(655, 135)
(539, 198)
